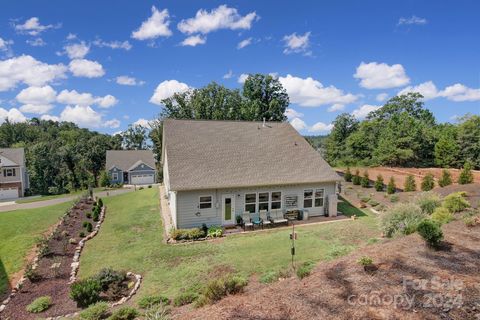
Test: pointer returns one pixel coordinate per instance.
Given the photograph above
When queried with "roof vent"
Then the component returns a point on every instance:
(263, 125)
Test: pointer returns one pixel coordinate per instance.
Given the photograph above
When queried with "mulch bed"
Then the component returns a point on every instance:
(53, 281)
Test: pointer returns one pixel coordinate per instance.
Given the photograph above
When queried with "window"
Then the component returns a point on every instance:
(319, 194)
(205, 202)
(307, 198)
(115, 176)
(263, 199)
(9, 173)
(251, 202)
(276, 200)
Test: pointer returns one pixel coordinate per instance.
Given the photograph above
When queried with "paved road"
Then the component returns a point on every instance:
(45, 203)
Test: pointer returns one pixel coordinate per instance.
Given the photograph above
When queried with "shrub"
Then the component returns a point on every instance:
(89, 215)
(184, 298)
(442, 215)
(379, 183)
(87, 225)
(40, 304)
(158, 312)
(215, 232)
(81, 234)
(356, 180)
(204, 228)
(269, 277)
(445, 179)
(402, 218)
(96, 311)
(107, 276)
(365, 181)
(149, 186)
(86, 292)
(428, 182)
(365, 261)
(391, 187)
(428, 201)
(410, 184)
(456, 202)
(187, 234)
(466, 175)
(373, 202)
(31, 274)
(305, 269)
(150, 301)
(394, 198)
(100, 203)
(430, 232)
(124, 313)
(219, 288)
(348, 175)
(364, 198)
(235, 284)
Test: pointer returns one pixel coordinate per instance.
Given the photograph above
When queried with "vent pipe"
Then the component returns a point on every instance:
(263, 125)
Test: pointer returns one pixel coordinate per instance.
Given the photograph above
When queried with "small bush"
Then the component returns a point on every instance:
(215, 232)
(184, 298)
(445, 179)
(219, 288)
(100, 203)
(410, 184)
(124, 313)
(31, 274)
(373, 202)
(428, 201)
(40, 304)
(85, 224)
(403, 218)
(149, 186)
(88, 215)
(356, 180)
(96, 311)
(365, 261)
(442, 215)
(428, 182)
(305, 269)
(107, 276)
(269, 277)
(88, 226)
(365, 182)
(394, 198)
(150, 301)
(391, 186)
(187, 234)
(141, 188)
(336, 251)
(86, 292)
(81, 234)
(235, 284)
(364, 198)
(348, 175)
(430, 232)
(466, 175)
(379, 183)
(158, 312)
(456, 202)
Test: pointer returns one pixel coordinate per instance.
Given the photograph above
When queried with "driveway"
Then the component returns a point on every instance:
(10, 206)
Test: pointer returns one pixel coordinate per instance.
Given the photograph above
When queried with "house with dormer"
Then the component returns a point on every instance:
(135, 167)
(13, 173)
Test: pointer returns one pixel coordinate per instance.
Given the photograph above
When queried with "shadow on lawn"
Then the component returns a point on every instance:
(4, 283)
(348, 209)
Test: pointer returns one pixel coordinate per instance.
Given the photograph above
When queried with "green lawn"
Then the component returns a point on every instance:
(18, 231)
(131, 239)
(56, 196)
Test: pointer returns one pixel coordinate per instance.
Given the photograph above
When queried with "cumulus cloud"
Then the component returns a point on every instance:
(36, 99)
(413, 20)
(298, 124)
(128, 81)
(84, 116)
(336, 107)
(86, 68)
(36, 108)
(85, 99)
(228, 75)
(77, 50)
(13, 115)
(142, 122)
(107, 101)
(309, 92)
(222, 17)
(33, 27)
(427, 89)
(48, 117)
(125, 45)
(193, 41)
(242, 78)
(5, 46)
(381, 97)
(297, 43)
(457, 92)
(112, 124)
(242, 44)
(166, 89)
(28, 70)
(37, 42)
(291, 113)
(364, 110)
(154, 27)
(320, 127)
(375, 75)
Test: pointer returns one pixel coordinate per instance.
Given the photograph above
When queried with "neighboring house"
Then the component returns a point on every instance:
(215, 170)
(13, 173)
(131, 167)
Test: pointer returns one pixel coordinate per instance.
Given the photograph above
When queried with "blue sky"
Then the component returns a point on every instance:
(106, 64)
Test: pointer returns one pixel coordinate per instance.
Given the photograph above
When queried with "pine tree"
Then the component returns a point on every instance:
(466, 176)
(428, 182)
(379, 183)
(410, 184)
(365, 182)
(356, 178)
(391, 187)
(446, 179)
(348, 175)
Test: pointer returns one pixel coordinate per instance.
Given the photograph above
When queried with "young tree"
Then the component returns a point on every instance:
(391, 187)
(379, 183)
(447, 151)
(135, 137)
(104, 179)
(469, 140)
(445, 179)
(356, 180)
(410, 184)
(428, 182)
(365, 182)
(466, 175)
(343, 125)
(348, 175)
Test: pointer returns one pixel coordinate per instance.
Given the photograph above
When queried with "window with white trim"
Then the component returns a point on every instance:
(9, 172)
(319, 196)
(115, 176)
(251, 202)
(276, 200)
(307, 198)
(263, 200)
(205, 202)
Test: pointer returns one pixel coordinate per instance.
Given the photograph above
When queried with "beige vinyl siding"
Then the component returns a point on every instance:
(16, 178)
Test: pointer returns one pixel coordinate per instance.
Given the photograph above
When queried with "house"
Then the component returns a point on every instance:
(131, 167)
(215, 170)
(13, 173)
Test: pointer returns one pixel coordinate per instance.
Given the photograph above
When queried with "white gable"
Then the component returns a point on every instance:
(6, 162)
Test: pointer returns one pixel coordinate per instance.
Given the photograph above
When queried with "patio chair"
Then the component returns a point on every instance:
(265, 218)
(256, 220)
(278, 217)
(247, 221)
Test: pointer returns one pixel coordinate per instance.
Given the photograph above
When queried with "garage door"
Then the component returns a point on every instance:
(143, 179)
(8, 193)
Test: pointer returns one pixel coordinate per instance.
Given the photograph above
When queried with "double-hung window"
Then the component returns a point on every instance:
(319, 195)
(263, 200)
(205, 202)
(9, 173)
(307, 198)
(276, 200)
(251, 202)
(115, 176)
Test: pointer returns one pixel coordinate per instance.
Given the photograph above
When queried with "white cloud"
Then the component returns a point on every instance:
(336, 107)
(413, 20)
(85, 99)
(291, 113)
(28, 70)
(222, 17)
(142, 122)
(129, 81)
(320, 127)
(381, 97)
(242, 78)
(309, 92)
(112, 124)
(375, 75)
(297, 43)
(48, 117)
(36, 108)
(242, 44)
(166, 89)
(154, 27)
(427, 89)
(364, 110)
(37, 42)
(86, 68)
(125, 45)
(298, 124)
(71, 36)
(107, 101)
(193, 41)
(13, 115)
(5, 46)
(457, 92)
(77, 50)
(37, 95)
(84, 116)
(228, 75)
(33, 27)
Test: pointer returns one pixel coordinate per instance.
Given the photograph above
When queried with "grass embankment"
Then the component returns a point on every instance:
(56, 196)
(131, 239)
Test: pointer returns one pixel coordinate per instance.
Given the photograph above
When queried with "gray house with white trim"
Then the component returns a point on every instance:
(14, 178)
(135, 167)
(215, 170)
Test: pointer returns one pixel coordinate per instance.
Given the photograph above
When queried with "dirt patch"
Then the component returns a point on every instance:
(440, 284)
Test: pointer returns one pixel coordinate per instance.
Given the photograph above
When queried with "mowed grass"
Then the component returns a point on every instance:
(56, 196)
(131, 239)
(18, 231)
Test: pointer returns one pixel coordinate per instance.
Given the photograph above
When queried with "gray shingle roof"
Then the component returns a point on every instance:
(125, 159)
(16, 155)
(223, 154)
